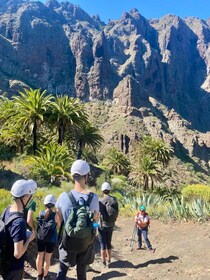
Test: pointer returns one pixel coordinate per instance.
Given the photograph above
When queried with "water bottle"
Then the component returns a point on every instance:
(95, 225)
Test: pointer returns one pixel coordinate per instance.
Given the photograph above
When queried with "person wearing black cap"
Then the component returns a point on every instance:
(18, 239)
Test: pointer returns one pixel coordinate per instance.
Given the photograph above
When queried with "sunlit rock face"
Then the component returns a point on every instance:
(59, 47)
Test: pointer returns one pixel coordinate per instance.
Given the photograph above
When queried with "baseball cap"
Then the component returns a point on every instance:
(23, 187)
(105, 186)
(80, 167)
(143, 208)
(49, 199)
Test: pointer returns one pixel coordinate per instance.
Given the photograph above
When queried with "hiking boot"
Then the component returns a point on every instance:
(152, 250)
(138, 248)
(39, 277)
(108, 264)
(88, 268)
(104, 264)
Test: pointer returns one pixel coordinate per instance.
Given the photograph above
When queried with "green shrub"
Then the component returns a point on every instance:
(197, 191)
(5, 199)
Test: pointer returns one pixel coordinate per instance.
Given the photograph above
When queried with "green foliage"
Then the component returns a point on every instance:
(117, 162)
(6, 153)
(197, 191)
(5, 199)
(167, 193)
(157, 149)
(52, 163)
(164, 208)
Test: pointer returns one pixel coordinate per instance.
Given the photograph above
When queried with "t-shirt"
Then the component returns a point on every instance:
(17, 233)
(32, 206)
(142, 218)
(64, 204)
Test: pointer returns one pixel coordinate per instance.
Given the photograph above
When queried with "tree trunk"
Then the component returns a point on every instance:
(60, 134)
(79, 153)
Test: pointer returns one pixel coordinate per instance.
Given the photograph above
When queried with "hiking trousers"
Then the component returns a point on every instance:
(63, 269)
(144, 232)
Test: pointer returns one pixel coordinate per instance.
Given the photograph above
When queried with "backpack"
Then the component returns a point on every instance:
(79, 232)
(5, 254)
(46, 227)
(112, 210)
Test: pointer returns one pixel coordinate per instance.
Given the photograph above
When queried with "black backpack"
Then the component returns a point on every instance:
(112, 210)
(6, 254)
(46, 227)
(79, 232)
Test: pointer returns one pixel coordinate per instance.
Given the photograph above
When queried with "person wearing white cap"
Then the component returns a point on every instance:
(108, 211)
(18, 241)
(45, 248)
(80, 170)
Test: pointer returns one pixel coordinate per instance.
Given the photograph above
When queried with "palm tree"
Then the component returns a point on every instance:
(66, 113)
(150, 171)
(52, 162)
(31, 105)
(117, 162)
(88, 136)
(157, 149)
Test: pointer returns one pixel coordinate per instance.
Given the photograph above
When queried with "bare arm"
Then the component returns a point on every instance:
(30, 221)
(59, 215)
(20, 248)
(57, 220)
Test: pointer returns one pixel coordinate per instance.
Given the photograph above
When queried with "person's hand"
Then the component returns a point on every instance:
(32, 236)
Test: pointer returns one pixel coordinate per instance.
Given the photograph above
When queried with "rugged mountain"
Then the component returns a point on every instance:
(157, 70)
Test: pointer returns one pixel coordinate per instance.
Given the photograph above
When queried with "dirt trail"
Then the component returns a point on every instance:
(182, 253)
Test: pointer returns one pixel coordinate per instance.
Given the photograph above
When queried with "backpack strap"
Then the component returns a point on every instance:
(72, 198)
(13, 216)
(74, 202)
(90, 197)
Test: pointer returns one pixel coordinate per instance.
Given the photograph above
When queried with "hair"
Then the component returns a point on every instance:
(78, 177)
(106, 191)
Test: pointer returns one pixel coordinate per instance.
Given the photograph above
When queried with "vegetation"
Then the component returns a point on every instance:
(197, 192)
(43, 135)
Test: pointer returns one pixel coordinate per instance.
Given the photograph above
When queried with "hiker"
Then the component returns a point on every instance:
(46, 236)
(108, 212)
(142, 223)
(29, 216)
(18, 238)
(70, 257)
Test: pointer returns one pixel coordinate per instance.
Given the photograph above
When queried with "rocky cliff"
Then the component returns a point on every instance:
(131, 61)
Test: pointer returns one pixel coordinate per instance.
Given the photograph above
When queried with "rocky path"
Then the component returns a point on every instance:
(182, 253)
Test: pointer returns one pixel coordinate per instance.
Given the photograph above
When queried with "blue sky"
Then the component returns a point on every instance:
(113, 9)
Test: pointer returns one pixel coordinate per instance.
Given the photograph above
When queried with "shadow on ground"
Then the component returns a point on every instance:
(109, 275)
(127, 264)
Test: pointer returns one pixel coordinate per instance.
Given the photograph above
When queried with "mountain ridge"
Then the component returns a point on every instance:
(132, 62)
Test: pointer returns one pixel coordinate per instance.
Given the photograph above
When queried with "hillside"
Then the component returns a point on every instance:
(147, 76)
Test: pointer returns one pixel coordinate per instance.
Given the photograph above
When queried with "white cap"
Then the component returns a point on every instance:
(23, 187)
(80, 167)
(49, 199)
(105, 186)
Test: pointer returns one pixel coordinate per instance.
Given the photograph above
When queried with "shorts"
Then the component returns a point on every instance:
(105, 237)
(44, 246)
(73, 258)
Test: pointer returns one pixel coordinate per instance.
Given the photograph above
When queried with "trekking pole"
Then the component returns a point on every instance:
(133, 237)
